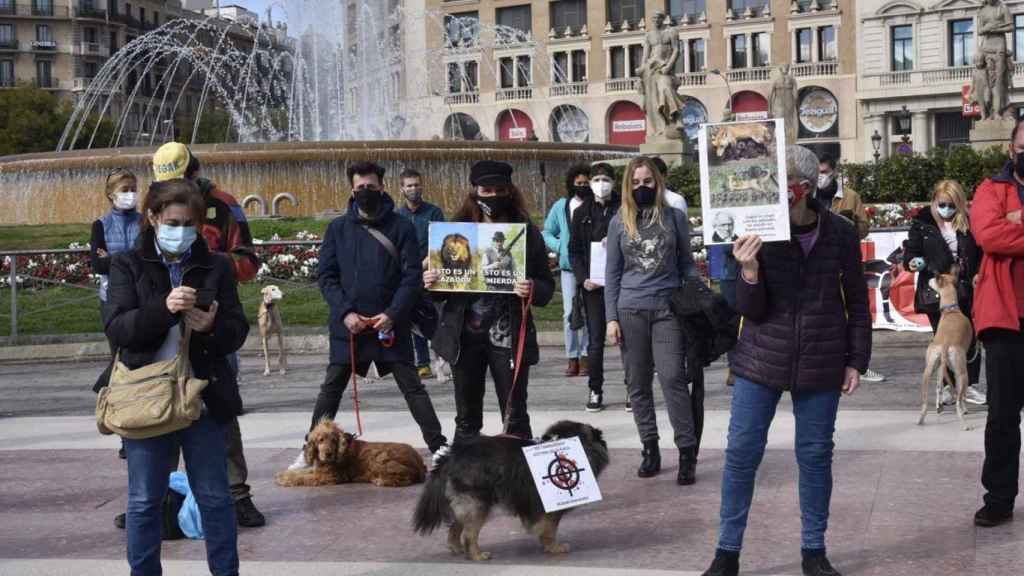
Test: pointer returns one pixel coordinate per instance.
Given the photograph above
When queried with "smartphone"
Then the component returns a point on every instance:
(205, 297)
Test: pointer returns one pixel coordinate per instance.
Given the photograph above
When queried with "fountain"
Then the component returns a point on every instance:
(301, 109)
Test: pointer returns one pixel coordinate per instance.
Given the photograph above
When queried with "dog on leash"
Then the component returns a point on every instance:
(337, 457)
(488, 471)
(948, 349)
(269, 318)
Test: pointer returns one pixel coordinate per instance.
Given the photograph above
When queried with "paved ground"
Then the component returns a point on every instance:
(903, 497)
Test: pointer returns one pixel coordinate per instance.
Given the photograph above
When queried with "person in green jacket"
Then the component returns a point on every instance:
(556, 237)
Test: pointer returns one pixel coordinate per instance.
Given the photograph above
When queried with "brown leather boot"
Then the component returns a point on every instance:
(584, 366)
(573, 369)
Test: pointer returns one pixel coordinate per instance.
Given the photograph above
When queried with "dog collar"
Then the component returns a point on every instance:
(949, 308)
(268, 305)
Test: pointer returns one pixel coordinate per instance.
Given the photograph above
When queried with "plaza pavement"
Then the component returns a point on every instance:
(902, 504)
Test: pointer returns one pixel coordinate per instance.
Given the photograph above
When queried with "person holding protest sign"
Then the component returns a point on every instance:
(482, 331)
(648, 259)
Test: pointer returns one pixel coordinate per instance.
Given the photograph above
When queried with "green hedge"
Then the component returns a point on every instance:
(902, 178)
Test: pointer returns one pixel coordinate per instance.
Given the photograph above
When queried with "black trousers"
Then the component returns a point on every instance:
(597, 327)
(1004, 368)
(416, 397)
(973, 366)
(470, 376)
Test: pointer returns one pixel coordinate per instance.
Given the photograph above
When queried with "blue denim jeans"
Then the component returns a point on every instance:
(753, 408)
(149, 467)
(575, 340)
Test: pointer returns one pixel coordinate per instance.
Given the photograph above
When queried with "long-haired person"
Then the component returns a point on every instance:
(154, 292)
(648, 259)
(479, 332)
(939, 239)
(115, 231)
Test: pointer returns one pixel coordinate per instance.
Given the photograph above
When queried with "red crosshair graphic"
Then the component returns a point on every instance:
(563, 473)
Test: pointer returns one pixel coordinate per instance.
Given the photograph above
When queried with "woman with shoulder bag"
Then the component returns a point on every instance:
(168, 286)
(939, 239)
(480, 332)
(649, 259)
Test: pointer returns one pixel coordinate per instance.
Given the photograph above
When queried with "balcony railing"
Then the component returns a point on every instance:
(90, 12)
(128, 20)
(8, 9)
(47, 45)
(693, 79)
(462, 98)
(954, 76)
(620, 85)
(569, 89)
(9, 44)
(830, 68)
(48, 83)
(6, 82)
(81, 84)
(759, 74)
(92, 49)
(505, 94)
(33, 10)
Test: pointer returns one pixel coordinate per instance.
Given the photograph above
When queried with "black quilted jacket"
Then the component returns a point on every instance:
(807, 317)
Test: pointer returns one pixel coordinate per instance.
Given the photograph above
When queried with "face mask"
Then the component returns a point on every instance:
(581, 192)
(601, 188)
(947, 212)
(824, 180)
(796, 193)
(413, 195)
(124, 201)
(494, 206)
(644, 196)
(368, 200)
(175, 239)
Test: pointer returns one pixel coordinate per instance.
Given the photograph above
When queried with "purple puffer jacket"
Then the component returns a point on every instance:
(807, 317)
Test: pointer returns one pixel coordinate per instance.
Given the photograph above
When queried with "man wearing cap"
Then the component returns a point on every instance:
(227, 231)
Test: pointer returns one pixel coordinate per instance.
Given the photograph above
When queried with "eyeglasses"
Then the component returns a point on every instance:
(946, 205)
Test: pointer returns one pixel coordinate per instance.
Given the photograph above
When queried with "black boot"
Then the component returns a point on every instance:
(724, 564)
(687, 467)
(651, 463)
(817, 565)
(247, 514)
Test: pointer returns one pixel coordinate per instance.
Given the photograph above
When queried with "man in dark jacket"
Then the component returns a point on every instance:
(370, 276)
(806, 329)
(421, 213)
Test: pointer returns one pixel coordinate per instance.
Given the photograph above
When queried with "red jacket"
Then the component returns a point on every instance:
(227, 230)
(995, 301)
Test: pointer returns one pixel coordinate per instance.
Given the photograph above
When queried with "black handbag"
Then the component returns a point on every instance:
(578, 315)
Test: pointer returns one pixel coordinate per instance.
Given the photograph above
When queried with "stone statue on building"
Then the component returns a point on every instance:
(994, 23)
(782, 102)
(657, 80)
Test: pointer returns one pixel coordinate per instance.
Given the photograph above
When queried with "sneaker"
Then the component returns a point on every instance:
(300, 462)
(872, 376)
(629, 405)
(595, 403)
(724, 564)
(247, 514)
(440, 453)
(975, 396)
(947, 397)
(818, 566)
(990, 516)
(119, 520)
(425, 372)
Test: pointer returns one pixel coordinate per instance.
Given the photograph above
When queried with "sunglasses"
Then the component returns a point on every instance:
(946, 205)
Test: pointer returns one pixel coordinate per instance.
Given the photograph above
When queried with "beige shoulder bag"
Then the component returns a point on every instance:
(150, 401)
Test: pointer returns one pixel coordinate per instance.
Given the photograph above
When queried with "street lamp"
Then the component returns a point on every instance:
(876, 143)
(903, 120)
(727, 114)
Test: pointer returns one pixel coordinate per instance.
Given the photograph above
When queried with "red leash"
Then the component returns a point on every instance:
(520, 347)
(355, 382)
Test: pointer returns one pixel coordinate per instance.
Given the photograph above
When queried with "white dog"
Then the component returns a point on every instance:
(270, 323)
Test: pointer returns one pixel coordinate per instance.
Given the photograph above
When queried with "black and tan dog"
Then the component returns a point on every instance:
(490, 471)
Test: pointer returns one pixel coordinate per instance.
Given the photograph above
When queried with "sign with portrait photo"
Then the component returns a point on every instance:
(477, 257)
(743, 181)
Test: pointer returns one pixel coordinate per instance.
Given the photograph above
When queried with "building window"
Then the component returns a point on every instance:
(951, 128)
(739, 7)
(739, 51)
(618, 58)
(697, 62)
(579, 66)
(142, 15)
(1018, 37)
(42, 33)
(462, 29)
(89, 35)
(961, 43)
(42, 7)
(7, 73)
(113, 42)
(44, 78)
(827, 44)
(760, 44)
(636, 58)
(470, 76)
(112, 7)
(902, 48)
(568, 14)
(90, 69)
(622, 10)
(803, 45)
(524, 71)
(691, 8)
(7, 35)
(461, 77)
(7, 7)
(560, 62)
(517, 17)
(514, 72)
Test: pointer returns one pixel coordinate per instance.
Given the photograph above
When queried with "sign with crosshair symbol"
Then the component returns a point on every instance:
(562, 474)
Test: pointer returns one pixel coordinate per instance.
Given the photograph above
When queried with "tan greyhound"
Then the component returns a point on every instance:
(948, 348)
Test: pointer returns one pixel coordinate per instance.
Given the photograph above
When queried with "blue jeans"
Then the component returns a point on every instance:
(149, 467)
(753, 408)
(421, 351)
(575, 340)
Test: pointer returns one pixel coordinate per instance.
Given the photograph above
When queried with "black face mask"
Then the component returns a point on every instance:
(1018, 165)
(644, 196)
(495, 207)
(582, 191)
(368, 200)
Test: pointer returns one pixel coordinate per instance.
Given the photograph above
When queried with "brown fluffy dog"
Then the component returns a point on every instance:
(338, 458)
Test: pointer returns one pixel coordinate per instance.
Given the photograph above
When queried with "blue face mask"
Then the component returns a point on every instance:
(947, 212)
(175, 239)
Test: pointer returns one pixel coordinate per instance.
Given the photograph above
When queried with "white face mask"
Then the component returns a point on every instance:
(602, 188)
(125, 200)
(824, 180)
